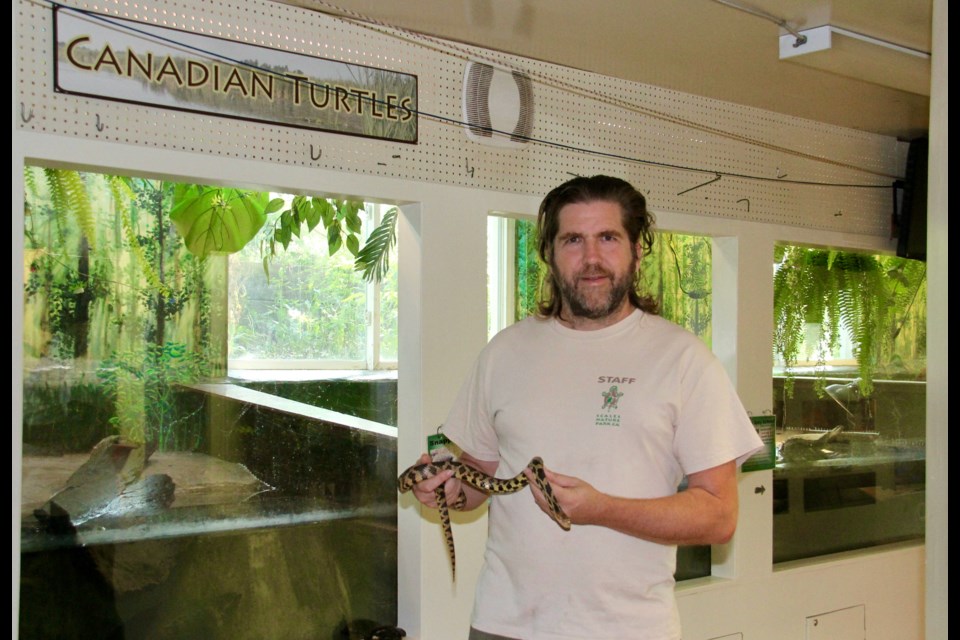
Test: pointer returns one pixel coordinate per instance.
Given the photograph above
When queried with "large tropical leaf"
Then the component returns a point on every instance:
(213, 220)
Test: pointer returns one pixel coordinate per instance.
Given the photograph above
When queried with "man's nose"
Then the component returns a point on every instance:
(591, 251)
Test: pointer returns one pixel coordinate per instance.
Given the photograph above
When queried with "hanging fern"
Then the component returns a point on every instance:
(795, 306)
(29, 182)
(863, 308)
(908, 279)
(863, 294)
(122, 197)
(69, 196)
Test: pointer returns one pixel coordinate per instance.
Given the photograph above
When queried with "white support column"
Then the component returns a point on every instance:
(938, 477)
(442, 297)
(742, 330)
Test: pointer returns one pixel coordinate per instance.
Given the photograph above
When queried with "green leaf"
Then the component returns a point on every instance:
(314, 213)
(351, 207)
(213, 220)
(334, 241)
(353, 244)
(301, 207)
(354, 223)
(282, 235)
(327, 213)
(374, 259)
(286, 220)
(274, 205)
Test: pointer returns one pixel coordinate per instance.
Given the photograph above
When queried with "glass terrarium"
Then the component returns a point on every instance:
(849, 397)
(162, 498)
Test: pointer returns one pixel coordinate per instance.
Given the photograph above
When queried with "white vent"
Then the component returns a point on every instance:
(497, 105)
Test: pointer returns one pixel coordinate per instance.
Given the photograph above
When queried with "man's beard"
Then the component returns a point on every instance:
(579, 306)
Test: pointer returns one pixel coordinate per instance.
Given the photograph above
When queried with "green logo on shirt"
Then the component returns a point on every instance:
(611, 398)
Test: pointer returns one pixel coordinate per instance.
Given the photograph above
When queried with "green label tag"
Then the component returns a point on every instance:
(766, 427)
(436, 441)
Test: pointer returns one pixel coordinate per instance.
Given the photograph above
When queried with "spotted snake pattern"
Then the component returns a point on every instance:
(483, 482)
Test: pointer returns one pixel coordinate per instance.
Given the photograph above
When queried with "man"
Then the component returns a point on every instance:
(623, 406)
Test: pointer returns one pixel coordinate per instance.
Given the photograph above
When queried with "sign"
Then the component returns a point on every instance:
(766, 427)
(104, 57)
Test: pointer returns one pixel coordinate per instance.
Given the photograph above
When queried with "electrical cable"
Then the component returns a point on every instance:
(780, 22)
(444, 47)
(566, 86)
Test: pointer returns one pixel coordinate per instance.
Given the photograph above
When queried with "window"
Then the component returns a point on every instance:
(849, 398)
(305, 309)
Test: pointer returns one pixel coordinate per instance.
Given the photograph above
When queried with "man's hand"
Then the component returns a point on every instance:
(425, 491)
(578, 498)
(703, 513)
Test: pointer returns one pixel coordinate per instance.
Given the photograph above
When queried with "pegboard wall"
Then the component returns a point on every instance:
(688, 154)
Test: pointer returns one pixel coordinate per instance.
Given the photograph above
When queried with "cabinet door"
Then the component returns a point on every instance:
(842, 624)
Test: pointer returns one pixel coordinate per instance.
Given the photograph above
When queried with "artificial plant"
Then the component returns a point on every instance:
(223, 220)
(106, 272)
(106, 269)
(874, 298)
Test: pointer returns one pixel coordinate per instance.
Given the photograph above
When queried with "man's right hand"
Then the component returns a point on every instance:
(425, 490)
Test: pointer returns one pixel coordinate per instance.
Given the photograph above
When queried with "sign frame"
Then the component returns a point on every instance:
(117, 59)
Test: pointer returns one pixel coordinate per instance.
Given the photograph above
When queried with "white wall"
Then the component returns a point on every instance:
(938, 367)
(443, 296)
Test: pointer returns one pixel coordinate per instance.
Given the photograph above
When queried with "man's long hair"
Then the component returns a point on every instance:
(636, 220)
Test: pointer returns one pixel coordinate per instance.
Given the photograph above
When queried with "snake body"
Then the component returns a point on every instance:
(483, 482)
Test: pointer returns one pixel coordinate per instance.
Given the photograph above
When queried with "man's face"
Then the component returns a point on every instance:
(594, 263)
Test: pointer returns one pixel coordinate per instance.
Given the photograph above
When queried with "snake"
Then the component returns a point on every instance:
(479, 480)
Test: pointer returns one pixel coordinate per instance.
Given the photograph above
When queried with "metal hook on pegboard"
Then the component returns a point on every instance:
(26, 118)
(99, 125)
(315, 156)
(701, 185)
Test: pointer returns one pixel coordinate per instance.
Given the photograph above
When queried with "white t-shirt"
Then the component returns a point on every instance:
(631, 409)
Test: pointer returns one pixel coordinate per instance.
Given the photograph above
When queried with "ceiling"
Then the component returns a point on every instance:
(722, 49)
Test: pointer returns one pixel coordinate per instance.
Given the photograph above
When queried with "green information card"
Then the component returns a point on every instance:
(766, 427)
